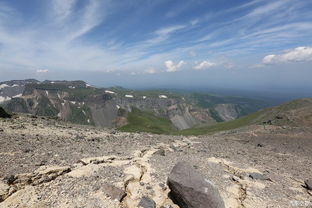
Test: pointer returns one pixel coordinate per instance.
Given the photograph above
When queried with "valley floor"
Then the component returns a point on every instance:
(46, 163)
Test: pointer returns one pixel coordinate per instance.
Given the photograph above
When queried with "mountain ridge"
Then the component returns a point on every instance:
(79, 102)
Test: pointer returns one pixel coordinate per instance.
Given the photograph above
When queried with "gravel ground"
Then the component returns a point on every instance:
(68, 165)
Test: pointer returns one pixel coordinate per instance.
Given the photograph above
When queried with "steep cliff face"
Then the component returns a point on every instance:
(78, 102)
(103, 109)
(227, 112)
(185, 116)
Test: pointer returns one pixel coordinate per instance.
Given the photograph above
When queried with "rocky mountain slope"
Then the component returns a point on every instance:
(45, 162)
(296, 113)
(78, 102)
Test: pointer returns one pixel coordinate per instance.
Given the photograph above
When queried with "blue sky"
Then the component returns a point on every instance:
(200, 43)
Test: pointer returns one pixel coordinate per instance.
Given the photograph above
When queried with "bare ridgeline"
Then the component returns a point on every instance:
(46, 162)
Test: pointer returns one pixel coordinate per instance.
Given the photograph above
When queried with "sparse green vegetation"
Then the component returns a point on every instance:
(80, 94)
(80, 115)
(140, 121)
(45, 108)
(214, 114)
(275, 116)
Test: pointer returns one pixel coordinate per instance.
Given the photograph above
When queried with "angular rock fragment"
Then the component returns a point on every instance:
(308, 184)
(258, 176)
(4, 191)
(113, 192)
(146, 202)
(189, 189)
(4, 114)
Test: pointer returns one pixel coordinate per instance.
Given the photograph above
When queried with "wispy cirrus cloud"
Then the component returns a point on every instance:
(265, 25)
(52, 41)
(97, 36)
(62, 9)
(267, 8)
(162, 34)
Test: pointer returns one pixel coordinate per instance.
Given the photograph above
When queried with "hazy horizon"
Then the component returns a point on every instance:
(277, 95)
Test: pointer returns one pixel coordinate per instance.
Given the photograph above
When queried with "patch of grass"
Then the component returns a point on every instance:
(140, 121)
(79, 94)
(214, 114)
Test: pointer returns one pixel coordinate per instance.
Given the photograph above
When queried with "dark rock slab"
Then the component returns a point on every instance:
(258, 176)
(146, 202)
(4, 114)
(189, 189)
(9, 179)
(308, 184)
(113, 192)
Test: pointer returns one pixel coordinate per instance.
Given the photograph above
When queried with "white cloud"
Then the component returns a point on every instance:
(172, 67)
(150, 71)
(42, 70)
(299, 54)
(268, 59)
(204, 65)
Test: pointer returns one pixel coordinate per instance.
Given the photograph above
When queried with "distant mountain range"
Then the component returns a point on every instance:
(79, 102)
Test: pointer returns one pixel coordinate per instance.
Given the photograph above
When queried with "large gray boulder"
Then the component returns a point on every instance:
(189, 189)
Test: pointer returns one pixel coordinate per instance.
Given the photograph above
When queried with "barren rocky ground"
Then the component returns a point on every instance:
(47, 163)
